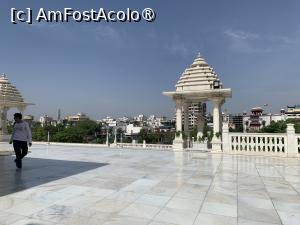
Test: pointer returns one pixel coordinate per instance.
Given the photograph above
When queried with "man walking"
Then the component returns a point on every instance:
(21, 138)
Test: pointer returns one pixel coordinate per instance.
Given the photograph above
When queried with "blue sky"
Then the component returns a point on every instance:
(122, 68)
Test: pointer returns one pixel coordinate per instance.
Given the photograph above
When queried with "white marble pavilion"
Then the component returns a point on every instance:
(198, 83)
(10, 97)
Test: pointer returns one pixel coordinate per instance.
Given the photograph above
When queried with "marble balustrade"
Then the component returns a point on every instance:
(272, 144)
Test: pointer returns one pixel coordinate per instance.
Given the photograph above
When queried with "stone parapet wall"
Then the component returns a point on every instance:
(265, 144)
(118, 145)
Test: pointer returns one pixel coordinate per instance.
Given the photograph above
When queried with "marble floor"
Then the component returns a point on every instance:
(64, 185)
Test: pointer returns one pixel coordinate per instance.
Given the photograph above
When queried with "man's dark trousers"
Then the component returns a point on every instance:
(21, 150)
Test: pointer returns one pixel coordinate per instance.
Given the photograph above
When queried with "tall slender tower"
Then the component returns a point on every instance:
(58, 115)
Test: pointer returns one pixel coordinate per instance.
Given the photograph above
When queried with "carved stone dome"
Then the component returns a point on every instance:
(199, 76)
(8, 92)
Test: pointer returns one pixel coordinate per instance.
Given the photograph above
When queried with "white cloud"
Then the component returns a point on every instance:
(240, 35)
(45, 25)
(107, 32)
(284, 40)
(178, 47)
(244, 42)
(151, 33)
(248, 42)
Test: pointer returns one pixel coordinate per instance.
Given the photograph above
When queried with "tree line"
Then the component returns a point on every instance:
(280, 126)
(90, 131)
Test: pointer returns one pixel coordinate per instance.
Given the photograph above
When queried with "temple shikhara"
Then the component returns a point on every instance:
(198, 83)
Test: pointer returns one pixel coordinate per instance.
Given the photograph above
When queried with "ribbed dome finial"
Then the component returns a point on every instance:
(199, 76)
(199, 55)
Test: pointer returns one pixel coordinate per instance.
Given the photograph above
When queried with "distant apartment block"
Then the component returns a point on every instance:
(292, 112)
(46, 120)
(78, 117)
(196, 110)
(235, 121)
(132, 130)
(109, 121)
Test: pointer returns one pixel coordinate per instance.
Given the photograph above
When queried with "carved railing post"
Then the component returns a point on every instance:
(225, 138)
(292, 150)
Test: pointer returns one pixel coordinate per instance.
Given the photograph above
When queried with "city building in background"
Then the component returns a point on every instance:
(292, 112)
(109, 121)
(259, 119)
(59, 115)
(196, 111)
(140, 118)
(132, 131)
(29, 119)
(253, 121)
(256, 121)
(46, 120)
(235, 121)
(78, 117)
(132, 126)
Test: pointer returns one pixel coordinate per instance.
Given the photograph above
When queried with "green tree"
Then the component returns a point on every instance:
(144, 134)
(275, 127)
(69, 135)
(280, 126)
(79, 132)
(237, 129)
(39, 133)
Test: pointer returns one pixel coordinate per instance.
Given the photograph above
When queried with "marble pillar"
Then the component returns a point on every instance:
(179, 116)
(115, 140)
(216, 141)
(5, 149)
(216, 115)
(178, 141)
(3, 118)
(225, 137)
(107, 136)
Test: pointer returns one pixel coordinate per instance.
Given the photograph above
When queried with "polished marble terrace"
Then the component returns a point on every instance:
(64, 185)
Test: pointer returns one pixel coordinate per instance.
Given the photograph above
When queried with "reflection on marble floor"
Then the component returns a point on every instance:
(38, 171)
(148, 188)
